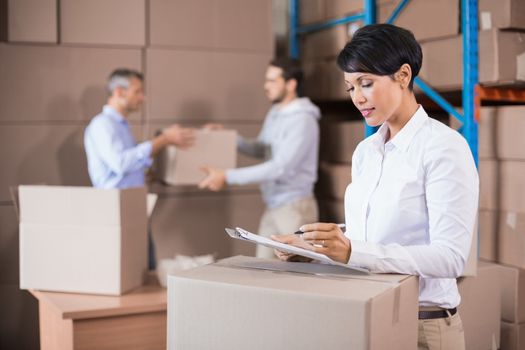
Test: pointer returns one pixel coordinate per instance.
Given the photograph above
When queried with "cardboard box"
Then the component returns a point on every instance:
(512, 186)
(212, 24)
(443, 69)
(488, 178)
(512, 282)
(81, 239)
(471, 265)
(480, 311)
(332, 211)
(311, 11)
(511, 238)
(256, 309)
(503, 14)
(488, 225)
(430, 19)
(510, 126)
(50, 78)
(326, 43)
(116, 22)
(212, 148)
(486, 131)
(177, 92)
(340, 139)
(324, 81)
(190, 224)
(32, 21)
(333, 180)
(520, 62)
(512, 336)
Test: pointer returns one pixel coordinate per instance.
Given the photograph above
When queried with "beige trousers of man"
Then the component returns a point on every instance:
(441, 334)
(286, 219)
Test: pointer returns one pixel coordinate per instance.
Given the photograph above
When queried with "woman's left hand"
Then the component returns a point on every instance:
(327, 239)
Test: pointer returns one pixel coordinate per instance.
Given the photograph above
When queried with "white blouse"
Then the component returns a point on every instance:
(412, 205)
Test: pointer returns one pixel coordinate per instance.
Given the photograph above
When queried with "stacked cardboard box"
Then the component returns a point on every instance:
(339, 139)
(501, 44)
(428, 20)
(480, 311)
(511, 228)
(55, 59)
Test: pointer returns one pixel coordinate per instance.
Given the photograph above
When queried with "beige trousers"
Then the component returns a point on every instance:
(441, 334)
(286, 219)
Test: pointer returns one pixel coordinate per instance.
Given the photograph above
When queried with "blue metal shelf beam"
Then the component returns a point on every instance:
(397, 11)
(469, 27)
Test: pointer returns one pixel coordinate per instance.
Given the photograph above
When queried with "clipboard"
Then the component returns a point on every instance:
(242, 234)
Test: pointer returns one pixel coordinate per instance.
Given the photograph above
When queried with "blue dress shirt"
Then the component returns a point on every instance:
(114, 158)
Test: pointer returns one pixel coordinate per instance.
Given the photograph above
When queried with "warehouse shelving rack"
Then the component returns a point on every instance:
(472, 94)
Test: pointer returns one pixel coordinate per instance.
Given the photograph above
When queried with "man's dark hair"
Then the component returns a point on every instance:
(291, 70)
(381, 49)
(121, 77)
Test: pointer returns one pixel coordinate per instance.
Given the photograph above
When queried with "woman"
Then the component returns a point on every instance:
(413, 199)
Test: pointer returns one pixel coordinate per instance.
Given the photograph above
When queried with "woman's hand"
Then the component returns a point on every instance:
(295, 240)
(324, 238)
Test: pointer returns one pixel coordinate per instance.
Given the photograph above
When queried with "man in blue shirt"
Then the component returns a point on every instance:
(115, 160)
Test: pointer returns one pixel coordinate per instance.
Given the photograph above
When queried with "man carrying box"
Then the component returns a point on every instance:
(289, 141)
(115, 160)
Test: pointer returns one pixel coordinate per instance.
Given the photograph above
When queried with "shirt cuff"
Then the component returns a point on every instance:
(360, 256)
(231, 177)
(144, 150)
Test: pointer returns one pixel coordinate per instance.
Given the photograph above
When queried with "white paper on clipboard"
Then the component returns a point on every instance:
(244, 235)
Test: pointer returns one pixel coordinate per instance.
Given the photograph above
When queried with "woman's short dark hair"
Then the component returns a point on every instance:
(381, 49)
(291, 70)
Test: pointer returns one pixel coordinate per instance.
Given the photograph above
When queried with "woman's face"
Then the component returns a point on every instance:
(377, 97)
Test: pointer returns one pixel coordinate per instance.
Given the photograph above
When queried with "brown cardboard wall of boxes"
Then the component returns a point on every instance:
(56, 55)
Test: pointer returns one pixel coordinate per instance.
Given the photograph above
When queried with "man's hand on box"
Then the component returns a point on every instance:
(215, 179)
(179, 136)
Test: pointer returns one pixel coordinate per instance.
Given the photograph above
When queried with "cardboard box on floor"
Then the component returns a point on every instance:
(502, 14)
(512, 282)
(480, 307)
(254, 309)
(512, 336)
(498, 51)
(216, 148)
(81, 239)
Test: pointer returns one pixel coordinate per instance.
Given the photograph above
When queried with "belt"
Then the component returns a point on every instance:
(428, 315)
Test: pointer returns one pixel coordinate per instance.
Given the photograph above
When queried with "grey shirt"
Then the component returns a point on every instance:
(290, 140)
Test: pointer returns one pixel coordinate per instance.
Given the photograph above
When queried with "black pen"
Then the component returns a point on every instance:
(341, 226)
